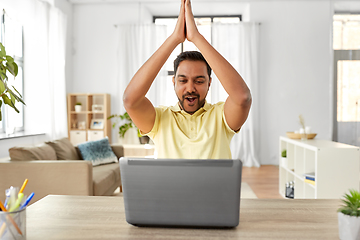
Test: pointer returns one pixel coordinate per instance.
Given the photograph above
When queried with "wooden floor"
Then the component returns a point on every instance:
(264, 181)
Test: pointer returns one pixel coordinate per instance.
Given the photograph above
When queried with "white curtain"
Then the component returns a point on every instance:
(238, 43)
(57, 87)
(44, 72)
(136, 44)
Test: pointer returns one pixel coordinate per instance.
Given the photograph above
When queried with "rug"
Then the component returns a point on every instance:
(246, 192)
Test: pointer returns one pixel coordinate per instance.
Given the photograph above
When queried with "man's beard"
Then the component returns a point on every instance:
(200, 103)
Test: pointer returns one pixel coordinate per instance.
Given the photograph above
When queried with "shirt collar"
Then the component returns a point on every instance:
(176, 107)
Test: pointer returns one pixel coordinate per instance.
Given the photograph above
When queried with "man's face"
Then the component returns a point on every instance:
(191, 84)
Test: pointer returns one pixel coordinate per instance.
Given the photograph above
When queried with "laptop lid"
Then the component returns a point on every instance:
(181, 192)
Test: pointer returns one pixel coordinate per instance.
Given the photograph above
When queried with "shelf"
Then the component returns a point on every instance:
(85, 118)
(335, 165)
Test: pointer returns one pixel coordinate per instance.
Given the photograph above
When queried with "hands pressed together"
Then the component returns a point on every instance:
(185, 27)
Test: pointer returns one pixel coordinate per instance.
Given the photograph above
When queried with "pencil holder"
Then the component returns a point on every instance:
(13, 225)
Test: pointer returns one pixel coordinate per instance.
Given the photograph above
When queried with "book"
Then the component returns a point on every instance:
(310, 181)
(309, 176)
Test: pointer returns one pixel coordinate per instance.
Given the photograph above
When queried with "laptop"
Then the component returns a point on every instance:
(181, 192)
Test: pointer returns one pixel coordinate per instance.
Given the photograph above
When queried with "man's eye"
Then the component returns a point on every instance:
(199, 82)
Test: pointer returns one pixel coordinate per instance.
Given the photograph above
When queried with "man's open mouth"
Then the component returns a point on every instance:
(191, 99)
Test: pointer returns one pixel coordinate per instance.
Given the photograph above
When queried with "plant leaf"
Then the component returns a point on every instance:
(2, 87)
(2, 52)
(12, 67)
(17, 91)
(3, 76)
(9, 59)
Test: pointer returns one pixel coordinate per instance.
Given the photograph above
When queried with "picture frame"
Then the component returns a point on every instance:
(97, 108)
(97, 124)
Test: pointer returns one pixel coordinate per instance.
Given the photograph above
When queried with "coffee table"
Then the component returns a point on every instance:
(98, 217)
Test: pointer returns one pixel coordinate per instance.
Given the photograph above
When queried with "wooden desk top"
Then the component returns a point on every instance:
(92, 217)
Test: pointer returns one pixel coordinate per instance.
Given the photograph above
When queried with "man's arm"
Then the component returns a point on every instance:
(237, 105)
(140, 109)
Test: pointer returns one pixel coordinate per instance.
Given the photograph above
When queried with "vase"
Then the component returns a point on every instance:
(284, 162)
(349, 227)
(77, 108)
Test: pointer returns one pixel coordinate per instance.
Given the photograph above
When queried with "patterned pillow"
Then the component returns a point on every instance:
(98, 152)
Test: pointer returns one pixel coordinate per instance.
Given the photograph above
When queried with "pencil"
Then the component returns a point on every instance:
(10, 218)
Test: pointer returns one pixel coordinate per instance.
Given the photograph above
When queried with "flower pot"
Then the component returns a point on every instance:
(77, 108)
(144, 139)
(284, 162)
(349, 227)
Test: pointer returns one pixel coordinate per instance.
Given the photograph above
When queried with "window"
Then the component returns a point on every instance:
(11, 36)
(203, 24)
(346, 45)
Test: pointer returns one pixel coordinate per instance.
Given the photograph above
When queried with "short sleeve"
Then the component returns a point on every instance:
(154, 130)
(225, 122)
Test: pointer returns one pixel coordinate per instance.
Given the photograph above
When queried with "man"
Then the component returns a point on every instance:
(192, 128)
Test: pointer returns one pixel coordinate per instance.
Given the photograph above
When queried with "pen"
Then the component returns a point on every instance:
(23, 186)
(27, 201)
(10, 218)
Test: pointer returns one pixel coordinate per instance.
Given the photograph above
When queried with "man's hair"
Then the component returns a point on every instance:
(191, 56)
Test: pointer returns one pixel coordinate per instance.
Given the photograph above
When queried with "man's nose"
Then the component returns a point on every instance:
(190, 87)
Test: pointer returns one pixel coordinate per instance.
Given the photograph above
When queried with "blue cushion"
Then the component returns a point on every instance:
(98, 152)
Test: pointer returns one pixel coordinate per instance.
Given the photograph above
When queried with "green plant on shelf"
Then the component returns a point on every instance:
(283, 153)
(78, 103)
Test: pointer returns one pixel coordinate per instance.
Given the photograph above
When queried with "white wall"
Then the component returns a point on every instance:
(295, 61)
(95, 46)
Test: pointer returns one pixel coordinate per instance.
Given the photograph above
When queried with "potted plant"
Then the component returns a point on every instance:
(78, 107)
(349, 216)
(7, 94)
(125, 127)
(283, 158)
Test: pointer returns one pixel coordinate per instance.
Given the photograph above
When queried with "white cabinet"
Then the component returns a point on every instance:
(336, 168)
(95, 135)
(77, 137)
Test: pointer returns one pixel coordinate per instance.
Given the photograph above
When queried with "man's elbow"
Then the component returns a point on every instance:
(128, 101)
(245, 100)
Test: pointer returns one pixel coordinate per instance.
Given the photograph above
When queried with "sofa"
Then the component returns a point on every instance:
(67, 174)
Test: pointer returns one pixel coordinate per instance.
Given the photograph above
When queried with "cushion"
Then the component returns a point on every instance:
(40, 152)
(64, 149)
(104, 177)
(98, 152)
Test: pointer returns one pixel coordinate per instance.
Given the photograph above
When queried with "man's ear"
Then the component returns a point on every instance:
(210, 81)
(173, 80)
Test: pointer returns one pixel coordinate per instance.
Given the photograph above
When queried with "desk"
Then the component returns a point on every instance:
(95, 217)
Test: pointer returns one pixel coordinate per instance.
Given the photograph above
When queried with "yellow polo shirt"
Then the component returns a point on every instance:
(203, 135)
